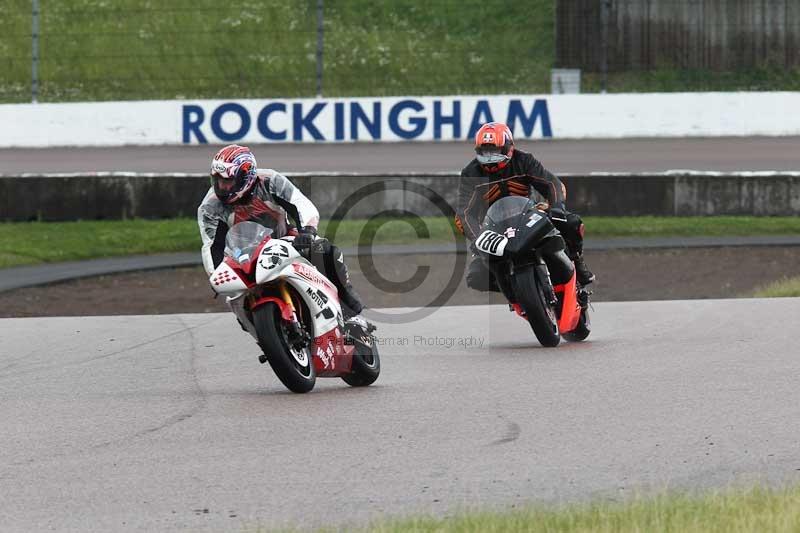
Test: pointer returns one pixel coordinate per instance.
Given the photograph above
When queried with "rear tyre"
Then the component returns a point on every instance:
(582, 330)
(366, 365)
(541, 316)
(293, 366)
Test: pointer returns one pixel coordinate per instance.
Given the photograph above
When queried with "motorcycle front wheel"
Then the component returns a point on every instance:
(531, 297)
(294, 366)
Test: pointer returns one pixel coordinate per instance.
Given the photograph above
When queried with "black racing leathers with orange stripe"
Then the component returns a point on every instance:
(478, 189)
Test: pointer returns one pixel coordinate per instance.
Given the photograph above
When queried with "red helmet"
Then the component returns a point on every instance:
(233, 173)
(494, 145)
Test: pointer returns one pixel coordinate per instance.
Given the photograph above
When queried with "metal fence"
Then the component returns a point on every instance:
(87, 50)
(130, 49)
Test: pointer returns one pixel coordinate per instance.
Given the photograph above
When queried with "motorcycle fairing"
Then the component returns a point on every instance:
(331, 354)
(570, 308)
(519, 224)
(227, 278)
(280, 260)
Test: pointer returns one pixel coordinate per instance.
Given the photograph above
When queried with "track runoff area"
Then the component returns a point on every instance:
(169, 423)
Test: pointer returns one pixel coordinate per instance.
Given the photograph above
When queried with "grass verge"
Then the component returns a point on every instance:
(29, 243)
(602, 227)
(132, 50)
(45, 242)
(789, 287)
(754, 510)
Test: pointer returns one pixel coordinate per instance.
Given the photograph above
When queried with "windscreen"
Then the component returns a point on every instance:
(243, 238)
(506, 208)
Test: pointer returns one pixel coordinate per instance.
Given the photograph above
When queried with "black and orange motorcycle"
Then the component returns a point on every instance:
(526, 254)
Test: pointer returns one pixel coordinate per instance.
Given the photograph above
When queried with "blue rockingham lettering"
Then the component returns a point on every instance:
(362, 120)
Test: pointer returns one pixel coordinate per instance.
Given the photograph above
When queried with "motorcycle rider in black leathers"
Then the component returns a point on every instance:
(480, 186)
(241, 191)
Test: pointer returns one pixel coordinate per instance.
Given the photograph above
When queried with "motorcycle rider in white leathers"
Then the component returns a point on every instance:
(241, 191)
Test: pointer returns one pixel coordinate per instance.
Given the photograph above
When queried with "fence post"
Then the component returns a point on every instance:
(35, 51)
(319, 47)
(604, 9)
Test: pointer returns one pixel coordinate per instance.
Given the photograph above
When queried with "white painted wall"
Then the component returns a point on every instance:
(399, 118)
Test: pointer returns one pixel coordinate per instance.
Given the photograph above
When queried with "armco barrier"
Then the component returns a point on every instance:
(125, 195)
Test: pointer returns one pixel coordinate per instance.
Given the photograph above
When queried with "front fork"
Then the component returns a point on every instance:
(298, 336)
(547, 284)
(543, 275)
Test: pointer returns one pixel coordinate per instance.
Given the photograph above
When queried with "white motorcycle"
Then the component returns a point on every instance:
(293, 311)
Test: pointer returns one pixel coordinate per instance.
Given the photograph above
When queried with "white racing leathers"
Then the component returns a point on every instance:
(273, 200)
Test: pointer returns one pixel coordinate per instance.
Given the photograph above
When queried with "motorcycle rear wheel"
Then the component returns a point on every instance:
(273, 339)
(530, 296)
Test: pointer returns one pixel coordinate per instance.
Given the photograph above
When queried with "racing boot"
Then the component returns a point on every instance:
(584, 275)
(572, 229)
(575, 253)
(351, 304)
(362, 322)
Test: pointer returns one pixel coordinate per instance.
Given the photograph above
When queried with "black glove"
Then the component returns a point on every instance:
(305, 237)
(558, 213)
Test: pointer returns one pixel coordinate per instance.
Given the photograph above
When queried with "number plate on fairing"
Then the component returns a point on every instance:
(491, 242)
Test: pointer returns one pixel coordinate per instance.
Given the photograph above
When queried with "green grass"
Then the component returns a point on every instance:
(765, 78)
(27, 243)
(387, 231)
(24, 243)
(130, 49)
(47, 242)
(789, 287)
(689, 226)
(752, 511)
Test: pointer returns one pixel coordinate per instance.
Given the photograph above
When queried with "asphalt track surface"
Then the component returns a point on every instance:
(560, 156)
(162, 423)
